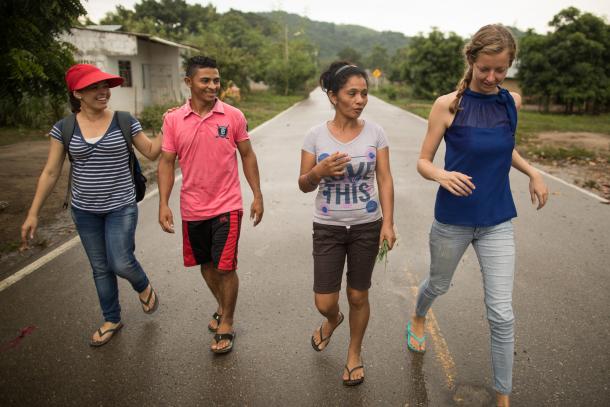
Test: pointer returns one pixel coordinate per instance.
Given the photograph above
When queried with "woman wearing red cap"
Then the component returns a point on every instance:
(103, 199)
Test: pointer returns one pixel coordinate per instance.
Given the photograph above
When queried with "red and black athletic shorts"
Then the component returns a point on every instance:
(212, 241)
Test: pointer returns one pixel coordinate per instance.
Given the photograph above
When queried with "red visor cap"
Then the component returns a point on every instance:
(80, 76)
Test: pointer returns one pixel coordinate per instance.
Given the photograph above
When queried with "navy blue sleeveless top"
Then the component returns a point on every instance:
(480, 143)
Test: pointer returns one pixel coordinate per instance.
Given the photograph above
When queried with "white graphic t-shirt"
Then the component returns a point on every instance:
(350, 199)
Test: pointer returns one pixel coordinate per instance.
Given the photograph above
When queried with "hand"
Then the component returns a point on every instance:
(332, 166)
(166, 219)
(28, 230)
(457, 183)
(538, 190)
(256, 210)
(387, 234)
(168, 111)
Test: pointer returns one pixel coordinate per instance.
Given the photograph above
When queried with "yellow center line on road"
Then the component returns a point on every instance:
(441, 350)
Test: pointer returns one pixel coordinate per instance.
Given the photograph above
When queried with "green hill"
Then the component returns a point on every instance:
(331, 38)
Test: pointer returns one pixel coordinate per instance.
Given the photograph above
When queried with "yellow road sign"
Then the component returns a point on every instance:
(376, 73)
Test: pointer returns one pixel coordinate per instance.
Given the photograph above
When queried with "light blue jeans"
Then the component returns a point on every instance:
(109, 240)
(495, 249)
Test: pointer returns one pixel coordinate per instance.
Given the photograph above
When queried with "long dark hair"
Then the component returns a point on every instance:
(74, 103)
(337, 74)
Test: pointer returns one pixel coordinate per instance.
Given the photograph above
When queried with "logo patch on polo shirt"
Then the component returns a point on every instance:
(223, 131)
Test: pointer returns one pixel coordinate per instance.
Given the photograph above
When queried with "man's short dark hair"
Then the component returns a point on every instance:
(199, 62)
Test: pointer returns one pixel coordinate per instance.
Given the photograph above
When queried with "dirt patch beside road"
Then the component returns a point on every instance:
(20, 166)
(589, 141)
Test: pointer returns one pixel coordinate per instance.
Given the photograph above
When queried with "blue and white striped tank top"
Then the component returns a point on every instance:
(101, 178)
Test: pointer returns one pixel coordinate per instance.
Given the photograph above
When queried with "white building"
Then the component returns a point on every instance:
(151, 66)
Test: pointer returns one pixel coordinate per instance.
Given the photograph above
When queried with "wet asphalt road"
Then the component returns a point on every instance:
(561, 305)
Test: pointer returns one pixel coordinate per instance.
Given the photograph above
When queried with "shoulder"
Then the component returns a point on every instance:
(232, 111)
(316, 130)
(373, 128)
(178, 113)
(517, 99)
(444, 101)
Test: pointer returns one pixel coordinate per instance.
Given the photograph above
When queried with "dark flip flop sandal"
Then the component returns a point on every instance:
(350, 381)
(145, 303)
(101, 333)
(220, 337)
(322, 339)
(216, 317)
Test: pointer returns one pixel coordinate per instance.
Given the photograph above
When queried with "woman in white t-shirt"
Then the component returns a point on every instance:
(341, 159)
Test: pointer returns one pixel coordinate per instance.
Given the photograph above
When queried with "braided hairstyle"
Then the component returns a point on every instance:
(491, 39)
(337, 74)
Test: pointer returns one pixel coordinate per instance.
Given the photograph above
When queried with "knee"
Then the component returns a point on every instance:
(123, 265)
(357, 299)
(501, 321)
(434, 289)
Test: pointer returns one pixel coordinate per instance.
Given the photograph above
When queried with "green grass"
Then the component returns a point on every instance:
(531, 123)
(260, 106)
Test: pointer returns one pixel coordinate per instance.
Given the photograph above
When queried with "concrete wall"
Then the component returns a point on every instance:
(156, 69)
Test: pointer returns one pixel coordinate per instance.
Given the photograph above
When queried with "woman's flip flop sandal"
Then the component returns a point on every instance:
(216, 317)
(322, 339)
(350, 381)
(220, 337)
(101, 333)
(152, 309)
(419, 340)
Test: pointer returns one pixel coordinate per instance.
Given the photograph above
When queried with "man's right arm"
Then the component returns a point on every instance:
(165, 180)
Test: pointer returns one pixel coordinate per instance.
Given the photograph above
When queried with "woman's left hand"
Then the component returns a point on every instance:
(538, 190)
(387, 233)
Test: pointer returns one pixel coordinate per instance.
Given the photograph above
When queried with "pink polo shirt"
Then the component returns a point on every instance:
(206, 148)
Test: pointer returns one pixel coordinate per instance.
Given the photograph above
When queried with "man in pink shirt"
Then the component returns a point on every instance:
(204, 135)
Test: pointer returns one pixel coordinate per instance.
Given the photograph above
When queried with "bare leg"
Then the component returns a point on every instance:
(207, 271)
(359, 312)
(502, 400)
(228, 287)
(328, 305)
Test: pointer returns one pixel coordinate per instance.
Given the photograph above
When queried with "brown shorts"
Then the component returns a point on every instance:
(332, 244)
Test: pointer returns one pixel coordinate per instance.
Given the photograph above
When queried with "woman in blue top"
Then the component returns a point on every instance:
(103, 196)
(474, 204)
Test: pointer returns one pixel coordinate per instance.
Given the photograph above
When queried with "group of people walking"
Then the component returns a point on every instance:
(346, 160)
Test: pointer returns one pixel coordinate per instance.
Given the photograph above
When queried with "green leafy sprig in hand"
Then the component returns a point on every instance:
(383, 254)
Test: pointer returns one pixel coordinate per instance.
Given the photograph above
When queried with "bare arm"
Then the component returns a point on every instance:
(311, 173)
(538, 190)
(149, 148)
(385, 183)
(250, 166)
(47, 181)
(165, 180)
(440, 119)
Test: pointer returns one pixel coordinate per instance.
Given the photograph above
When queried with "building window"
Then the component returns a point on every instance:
(125, 73)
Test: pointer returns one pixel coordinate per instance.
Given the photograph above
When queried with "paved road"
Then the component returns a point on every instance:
(561, 304)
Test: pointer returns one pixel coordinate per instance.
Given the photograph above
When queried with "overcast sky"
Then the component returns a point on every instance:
(409, 17)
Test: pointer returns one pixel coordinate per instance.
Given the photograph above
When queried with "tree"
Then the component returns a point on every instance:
(378, 59)
(289, 71)
(34, 62)
(569, 66)
(434, 64)
(351, 55)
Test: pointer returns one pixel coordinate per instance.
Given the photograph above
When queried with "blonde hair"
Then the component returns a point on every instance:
(491, 39)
